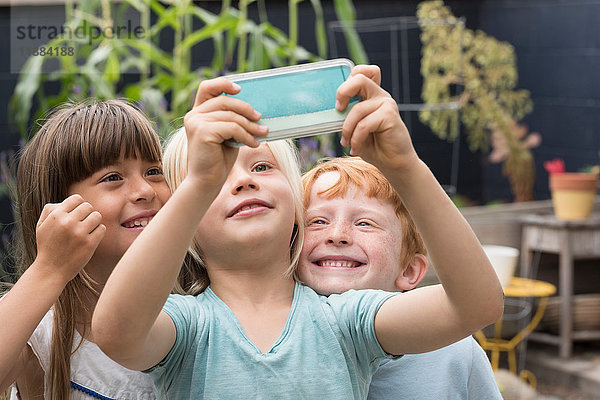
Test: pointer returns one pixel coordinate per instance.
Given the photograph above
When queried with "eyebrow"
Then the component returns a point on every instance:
(360, 211)
(261, 152)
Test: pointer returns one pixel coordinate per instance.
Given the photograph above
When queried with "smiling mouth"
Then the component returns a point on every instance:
(251, 206)
(137, 223)
(246, 210)
(338, 264)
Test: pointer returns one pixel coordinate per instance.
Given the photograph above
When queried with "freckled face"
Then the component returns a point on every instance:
(350, 242)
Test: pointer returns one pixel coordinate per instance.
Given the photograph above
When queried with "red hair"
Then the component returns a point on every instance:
(353, 171)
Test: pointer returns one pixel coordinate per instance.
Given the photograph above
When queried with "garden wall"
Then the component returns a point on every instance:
(558, 49)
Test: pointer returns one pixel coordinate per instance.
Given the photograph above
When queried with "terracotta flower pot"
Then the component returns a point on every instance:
(573, 194)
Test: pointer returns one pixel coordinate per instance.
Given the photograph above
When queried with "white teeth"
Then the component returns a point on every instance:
(343, 264)
(138, 223)
(248, 207)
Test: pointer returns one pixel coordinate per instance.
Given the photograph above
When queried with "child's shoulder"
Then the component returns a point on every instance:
(190, 300)
(193, 305)
(353, 299)
(348, 294)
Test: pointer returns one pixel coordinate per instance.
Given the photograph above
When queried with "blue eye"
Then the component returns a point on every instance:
(262, 167)
(363, 223)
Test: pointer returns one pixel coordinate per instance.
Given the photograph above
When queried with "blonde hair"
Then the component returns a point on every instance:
(74, 142)
(193, 278)
(355, 171)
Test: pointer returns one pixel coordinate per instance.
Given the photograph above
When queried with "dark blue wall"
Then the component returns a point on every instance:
(558, 47)
(8, 137)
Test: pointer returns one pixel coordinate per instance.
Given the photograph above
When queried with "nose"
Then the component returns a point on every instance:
(339, 235)
(242, 180)
(142, 190)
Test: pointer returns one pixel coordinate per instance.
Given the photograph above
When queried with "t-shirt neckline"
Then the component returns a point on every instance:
(286, 328)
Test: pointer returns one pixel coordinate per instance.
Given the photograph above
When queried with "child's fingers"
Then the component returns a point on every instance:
(230, 116)
(359, 85)
(358, 113)
(364, 108)
(214, 87)
(195, 119)
(360, 135)
(224, 103)
(92, 221)
(47, 210)
(71, 202)
(372, 72)
(234, 131)
(92, 240)
(66, 206)
(82, 211)
(222, 119)
(97, 235)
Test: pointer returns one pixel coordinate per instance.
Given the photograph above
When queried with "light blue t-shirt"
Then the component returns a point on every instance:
(327, 350)
(459, 371)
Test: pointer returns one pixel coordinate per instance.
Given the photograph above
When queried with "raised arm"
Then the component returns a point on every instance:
(470, 296)
(67, 236)
(128, 323)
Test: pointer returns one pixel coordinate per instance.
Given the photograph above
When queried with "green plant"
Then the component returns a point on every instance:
(461, 201)
(479, 72)
(167, 80)
(161, 82)
(591, 169)
(7, 185)
(6, 275)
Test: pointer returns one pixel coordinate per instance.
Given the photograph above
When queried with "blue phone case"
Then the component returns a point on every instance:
(296, 101)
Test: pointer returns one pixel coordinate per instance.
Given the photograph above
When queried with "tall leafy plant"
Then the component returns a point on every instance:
(485, 71)
(165, 80)
(156, 70)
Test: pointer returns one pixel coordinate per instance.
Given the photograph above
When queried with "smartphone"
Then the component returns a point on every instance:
(296, 101)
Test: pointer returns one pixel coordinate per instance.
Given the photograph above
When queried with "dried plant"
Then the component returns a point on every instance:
(479, 73)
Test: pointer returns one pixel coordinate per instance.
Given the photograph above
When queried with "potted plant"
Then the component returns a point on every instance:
(573, 193)
(479, 73)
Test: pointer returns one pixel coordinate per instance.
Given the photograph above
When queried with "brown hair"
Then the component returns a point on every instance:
(355, 171)
(74, 142)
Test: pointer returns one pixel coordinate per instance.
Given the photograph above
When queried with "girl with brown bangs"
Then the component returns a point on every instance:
(88, 183)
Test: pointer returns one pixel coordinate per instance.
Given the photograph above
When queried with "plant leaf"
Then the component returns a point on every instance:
(320, 32)
(27, 86)
(223, 23)
(347, 15)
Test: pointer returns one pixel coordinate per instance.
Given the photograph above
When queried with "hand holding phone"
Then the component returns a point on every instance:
(296, 101)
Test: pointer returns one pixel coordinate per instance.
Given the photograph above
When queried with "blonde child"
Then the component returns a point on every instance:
(88, 182)
(255, 332)
(367, 240)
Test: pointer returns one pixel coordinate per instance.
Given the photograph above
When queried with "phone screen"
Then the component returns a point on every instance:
(294, 93)
(297, 101)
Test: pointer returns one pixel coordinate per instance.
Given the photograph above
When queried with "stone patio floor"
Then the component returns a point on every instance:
(575, 378)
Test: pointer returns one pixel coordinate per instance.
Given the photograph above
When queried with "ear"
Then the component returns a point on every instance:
(412, 273)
